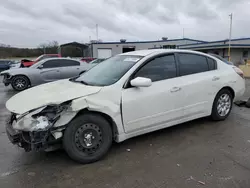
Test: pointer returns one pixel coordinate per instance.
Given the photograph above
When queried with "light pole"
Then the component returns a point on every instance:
(97, 32)
(230, 36)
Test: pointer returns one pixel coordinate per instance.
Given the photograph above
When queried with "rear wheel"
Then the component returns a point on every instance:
(20, 83)
(222, 105)
(87, 138)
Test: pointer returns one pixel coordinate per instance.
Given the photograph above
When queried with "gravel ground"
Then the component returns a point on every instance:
(199, 153)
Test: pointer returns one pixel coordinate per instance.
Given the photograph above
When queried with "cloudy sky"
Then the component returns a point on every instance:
(27, 23)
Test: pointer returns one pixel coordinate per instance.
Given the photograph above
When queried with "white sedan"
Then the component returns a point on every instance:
(124, 96)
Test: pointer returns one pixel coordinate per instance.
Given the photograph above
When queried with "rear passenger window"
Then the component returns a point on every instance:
(68, 63)
(192, 63)
(160, 68)
(211, 63)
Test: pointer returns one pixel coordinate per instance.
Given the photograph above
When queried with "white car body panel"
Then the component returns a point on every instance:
(50, 93)
(136, 111)
(147, 106)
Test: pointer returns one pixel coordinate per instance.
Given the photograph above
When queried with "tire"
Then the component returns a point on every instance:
(222, 105)
(248, 103)
(87, 138)
(20, 83)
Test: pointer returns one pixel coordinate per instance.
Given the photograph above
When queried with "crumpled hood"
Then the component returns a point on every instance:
(50, 93)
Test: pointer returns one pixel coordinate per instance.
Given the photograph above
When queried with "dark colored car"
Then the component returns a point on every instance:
(28, 63)
(5, 64)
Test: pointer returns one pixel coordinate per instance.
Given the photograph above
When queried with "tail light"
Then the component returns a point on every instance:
(239, 71)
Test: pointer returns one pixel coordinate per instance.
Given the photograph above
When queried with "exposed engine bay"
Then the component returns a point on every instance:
(40, 128)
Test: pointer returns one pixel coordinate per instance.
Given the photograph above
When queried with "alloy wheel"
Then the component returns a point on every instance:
(224, 105)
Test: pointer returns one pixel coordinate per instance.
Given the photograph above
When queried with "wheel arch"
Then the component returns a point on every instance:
(21, 75)
(228, 88)
(105, 116)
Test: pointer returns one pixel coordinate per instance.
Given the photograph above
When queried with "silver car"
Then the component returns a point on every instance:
(44, 71)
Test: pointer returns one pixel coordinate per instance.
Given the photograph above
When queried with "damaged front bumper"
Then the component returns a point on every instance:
(7, 79)
(39, 129)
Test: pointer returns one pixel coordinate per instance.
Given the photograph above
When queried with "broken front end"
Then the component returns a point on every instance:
(39, 129)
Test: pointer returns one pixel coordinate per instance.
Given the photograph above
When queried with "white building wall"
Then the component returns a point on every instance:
(117, 47)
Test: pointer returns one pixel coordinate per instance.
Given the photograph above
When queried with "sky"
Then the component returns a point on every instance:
(28, 23)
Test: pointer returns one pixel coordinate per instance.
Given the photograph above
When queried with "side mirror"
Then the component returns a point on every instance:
(40, 66)
(141, 82)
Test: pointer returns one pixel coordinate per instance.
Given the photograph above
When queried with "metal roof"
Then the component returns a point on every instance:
(171, 40)
(218, 41)
(215, 46)
(77, 44)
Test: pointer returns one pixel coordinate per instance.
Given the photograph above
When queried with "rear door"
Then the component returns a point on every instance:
(200, 79)
(50, 70)
(69, 68)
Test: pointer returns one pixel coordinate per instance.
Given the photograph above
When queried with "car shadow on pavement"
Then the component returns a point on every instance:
(170, 135)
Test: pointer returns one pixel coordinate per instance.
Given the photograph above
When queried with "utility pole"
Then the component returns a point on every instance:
(97, 32)
(230, 36)
(183, 33)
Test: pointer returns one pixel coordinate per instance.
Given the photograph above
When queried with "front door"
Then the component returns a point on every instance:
(158, 105)
(50, 71)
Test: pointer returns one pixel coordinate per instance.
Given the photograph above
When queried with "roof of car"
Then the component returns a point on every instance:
(55, 58)
(156, 51)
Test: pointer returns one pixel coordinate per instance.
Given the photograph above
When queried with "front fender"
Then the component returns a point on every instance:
(107, 107)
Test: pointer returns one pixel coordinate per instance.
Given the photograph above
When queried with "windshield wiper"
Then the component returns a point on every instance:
(85, 83)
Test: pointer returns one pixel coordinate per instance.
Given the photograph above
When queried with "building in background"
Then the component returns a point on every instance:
(240, 48)
(107, 49)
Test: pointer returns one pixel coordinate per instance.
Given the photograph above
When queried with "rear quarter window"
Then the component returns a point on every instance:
(212, 64)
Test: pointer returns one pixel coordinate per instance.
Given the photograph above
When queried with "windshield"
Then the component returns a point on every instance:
(109, 71)
(37, 64)
(96, 61)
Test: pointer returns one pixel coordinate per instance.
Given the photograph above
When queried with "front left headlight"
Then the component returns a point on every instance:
(40, 119)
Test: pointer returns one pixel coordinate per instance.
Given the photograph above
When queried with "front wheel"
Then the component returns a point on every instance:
(87, 138)
(222, 105)
(20, 83)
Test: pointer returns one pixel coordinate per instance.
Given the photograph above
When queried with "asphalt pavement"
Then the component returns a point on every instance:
(199, 153)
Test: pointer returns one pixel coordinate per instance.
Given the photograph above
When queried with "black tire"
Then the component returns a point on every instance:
(215, 115)
(20, 83)
(74, 139)
(248, 103)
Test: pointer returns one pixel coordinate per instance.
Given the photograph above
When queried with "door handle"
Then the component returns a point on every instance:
(215, 78)
(175, 89)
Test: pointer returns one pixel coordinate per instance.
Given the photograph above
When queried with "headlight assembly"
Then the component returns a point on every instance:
(40, 119)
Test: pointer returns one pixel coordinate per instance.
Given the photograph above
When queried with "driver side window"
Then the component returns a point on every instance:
(50, 64)
(160, 68)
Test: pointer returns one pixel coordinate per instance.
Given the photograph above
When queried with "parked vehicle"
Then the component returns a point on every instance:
(125, 96)
(47, 70)
(28, 63)
(96, 61)
(87, 59)
(15, 64)
(5, 64)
